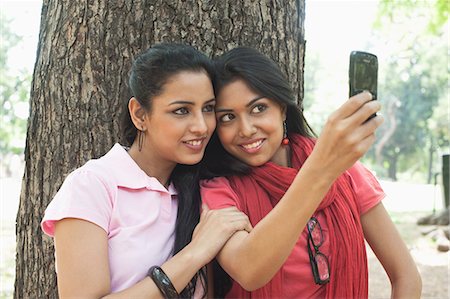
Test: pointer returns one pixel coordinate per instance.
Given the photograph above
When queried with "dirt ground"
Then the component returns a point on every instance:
(434, 266)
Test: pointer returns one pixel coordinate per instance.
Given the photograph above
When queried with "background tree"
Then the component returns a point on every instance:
(313, 67)
(413, 86)
(437, 14)
(80, 81)
(411, 94)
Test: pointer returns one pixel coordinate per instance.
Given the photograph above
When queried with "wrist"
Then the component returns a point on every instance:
(193, 255)
(316, 174)
(163, 282)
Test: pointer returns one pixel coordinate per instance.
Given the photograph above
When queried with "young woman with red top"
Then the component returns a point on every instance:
(128, 225)
(310, 201)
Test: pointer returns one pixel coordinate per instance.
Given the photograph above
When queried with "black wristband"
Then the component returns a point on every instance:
(163, 282)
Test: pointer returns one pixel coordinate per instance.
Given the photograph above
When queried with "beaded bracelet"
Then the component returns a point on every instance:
(163, 282)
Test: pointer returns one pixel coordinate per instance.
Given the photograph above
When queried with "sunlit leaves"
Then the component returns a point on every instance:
(14, 90)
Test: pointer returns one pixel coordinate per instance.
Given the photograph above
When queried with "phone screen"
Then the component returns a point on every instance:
(366, 72)
(363, 73)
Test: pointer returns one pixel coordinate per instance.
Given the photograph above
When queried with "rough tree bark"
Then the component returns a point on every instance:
(80, 84)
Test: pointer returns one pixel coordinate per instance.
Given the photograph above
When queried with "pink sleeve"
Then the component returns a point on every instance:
(84, 196)
(367, 188)
(218, 194)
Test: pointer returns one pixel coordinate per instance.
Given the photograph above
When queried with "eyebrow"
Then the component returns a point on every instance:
(180, 102)
(248, 105)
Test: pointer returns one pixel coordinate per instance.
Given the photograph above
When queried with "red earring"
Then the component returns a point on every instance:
(285, 140)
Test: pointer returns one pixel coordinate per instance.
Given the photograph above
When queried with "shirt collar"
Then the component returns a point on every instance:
(129, 175)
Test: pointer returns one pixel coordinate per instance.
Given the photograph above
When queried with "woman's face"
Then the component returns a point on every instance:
(250, 127)
(181, 120)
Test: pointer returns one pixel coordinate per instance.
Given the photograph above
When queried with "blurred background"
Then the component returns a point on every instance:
(410, 157)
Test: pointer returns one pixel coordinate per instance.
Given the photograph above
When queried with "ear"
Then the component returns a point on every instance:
(137, 113)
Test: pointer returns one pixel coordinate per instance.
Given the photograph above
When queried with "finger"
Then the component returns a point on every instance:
(227, 212)
(241, 226)
(243, 222)
(369, 127)
(364, 112)
(248, 227)
(360, 133)
(365, 144)
(354, 104)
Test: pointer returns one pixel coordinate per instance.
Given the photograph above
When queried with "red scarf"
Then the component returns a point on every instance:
(263, 188)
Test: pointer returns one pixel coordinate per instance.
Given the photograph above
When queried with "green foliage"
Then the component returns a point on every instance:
(439, 124)
(14, 93)
(416, 96)
(312, 66)
(413, 88)
(437, 12)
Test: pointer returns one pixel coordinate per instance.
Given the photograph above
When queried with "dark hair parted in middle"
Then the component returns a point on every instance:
(264, 76)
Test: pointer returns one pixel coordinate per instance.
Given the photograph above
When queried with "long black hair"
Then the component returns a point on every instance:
(150, 71)
(263, 76)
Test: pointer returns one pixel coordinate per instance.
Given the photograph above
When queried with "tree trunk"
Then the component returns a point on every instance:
(80, 88)
(390, 127)
(392, 170)
(431, 155)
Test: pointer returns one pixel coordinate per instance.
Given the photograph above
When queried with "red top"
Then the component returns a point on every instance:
(297, 278)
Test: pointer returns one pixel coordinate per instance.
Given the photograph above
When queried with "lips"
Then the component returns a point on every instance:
(253, 146)
(195, 144)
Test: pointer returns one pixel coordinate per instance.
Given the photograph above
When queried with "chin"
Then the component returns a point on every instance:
(254, 162)
(190, 161)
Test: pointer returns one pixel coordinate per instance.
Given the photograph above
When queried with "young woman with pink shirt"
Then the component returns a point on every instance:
(311, 204)
(128, 225)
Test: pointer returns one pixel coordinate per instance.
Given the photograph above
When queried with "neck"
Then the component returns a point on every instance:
(282, 156)
(151, 165)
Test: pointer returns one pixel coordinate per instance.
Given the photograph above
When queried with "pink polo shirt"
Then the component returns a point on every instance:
(135, 210)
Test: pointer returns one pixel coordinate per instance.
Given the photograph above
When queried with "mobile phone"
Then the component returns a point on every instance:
(363, 73)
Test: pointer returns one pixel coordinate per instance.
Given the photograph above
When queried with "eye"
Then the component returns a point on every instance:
(259, 108)
(226, 118)
(208, 108)
(181, 111)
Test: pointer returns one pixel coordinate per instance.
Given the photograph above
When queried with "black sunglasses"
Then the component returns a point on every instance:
(319, 262)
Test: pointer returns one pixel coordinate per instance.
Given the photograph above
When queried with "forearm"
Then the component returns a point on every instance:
(408, 287)
(405, 278)
(180, 269)
(274, 237)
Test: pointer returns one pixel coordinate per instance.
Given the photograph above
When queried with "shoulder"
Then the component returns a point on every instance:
(89, 192)
(221, 182)
(218, 193)
(89, 178)
(360, 174)
(366, 187)
(94, 181)
(83, 195)
(108, 169)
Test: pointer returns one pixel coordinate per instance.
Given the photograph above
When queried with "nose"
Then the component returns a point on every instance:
(199, 125)
(246, 129)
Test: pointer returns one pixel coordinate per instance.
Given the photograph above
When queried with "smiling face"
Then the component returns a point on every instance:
(250, 127)
(181, 120)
